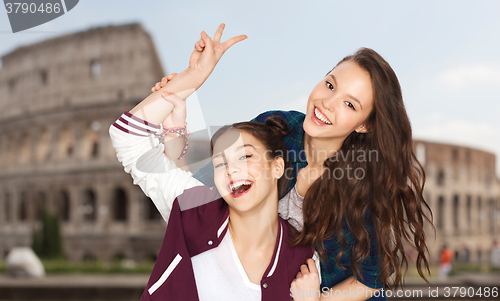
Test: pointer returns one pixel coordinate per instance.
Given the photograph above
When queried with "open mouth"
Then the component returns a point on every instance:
(239, 188)
(319, 118)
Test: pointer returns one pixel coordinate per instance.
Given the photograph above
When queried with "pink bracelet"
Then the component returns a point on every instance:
(179, 131)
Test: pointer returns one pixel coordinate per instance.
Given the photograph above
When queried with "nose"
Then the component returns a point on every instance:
(329, 103)
(231, 169)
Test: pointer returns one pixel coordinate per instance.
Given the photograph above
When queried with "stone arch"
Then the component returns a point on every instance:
(90, 143)
(11, 151)
(42, 149)
(491, 215)
(469, 212)
(89, 205)
(63, 205)
(44, 77)
(95, 68)
(440, 213)
(456, 211)
(23, 206)
(440, 177)
(24, 149)
(120, 204)
(479, 214)
(65, 142)
(40, 203)
(151, 213)
(455, 154)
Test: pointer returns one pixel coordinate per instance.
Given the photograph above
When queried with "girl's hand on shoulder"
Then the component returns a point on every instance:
(207, 52)
(306, 285)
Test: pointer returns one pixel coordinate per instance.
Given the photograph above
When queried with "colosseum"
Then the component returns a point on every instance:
(59, 98)
(463, 191)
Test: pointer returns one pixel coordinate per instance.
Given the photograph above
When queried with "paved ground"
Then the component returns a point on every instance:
(130, 287)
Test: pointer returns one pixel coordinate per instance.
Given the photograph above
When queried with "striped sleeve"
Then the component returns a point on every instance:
(142, 156)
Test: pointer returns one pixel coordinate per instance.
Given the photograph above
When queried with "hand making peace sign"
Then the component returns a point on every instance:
(206, 54)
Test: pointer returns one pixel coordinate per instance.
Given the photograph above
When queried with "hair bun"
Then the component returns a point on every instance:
(278, 126)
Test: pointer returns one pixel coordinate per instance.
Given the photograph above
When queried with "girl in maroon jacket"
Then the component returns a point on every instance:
(223, 244)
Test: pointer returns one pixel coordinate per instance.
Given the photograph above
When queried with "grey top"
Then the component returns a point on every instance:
(290, 208)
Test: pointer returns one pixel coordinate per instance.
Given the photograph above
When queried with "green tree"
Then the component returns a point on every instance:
(47, 241)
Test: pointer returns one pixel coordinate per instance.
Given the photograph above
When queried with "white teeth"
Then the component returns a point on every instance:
(321, 117)
(235, 186)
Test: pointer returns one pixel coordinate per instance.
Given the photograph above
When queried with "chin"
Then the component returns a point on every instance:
(310, 129)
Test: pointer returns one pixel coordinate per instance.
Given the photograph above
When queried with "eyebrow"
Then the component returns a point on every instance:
(354, 98)
(237, 149)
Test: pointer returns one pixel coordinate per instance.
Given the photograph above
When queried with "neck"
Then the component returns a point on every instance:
(256, 229)
(317, 150)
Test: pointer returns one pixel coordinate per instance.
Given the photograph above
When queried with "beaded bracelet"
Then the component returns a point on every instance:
(178, 131)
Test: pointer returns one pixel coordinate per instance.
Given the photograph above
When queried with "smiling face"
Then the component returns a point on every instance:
(243, 174)
(340, 103)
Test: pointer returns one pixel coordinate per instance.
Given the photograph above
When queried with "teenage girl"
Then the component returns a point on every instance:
(356, 182)
(230, 248)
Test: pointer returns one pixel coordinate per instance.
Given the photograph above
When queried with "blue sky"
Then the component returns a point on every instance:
(445, 53)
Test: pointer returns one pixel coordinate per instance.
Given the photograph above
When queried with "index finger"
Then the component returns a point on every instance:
(233, 41)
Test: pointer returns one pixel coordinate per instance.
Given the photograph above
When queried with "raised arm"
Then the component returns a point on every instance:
(132, 135)
(141, 155)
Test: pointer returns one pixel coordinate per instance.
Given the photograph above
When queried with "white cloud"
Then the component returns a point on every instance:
(467, 75)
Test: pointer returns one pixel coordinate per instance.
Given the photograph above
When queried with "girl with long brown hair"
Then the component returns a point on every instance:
(356, 189)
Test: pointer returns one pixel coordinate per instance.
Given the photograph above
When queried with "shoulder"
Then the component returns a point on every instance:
(289, 116)
(198, 197)
(204, 215)
(202, 209)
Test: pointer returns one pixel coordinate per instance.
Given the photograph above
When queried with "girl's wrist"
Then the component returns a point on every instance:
(200, 76)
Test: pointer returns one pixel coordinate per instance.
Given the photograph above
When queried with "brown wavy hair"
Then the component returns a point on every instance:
(390, 188)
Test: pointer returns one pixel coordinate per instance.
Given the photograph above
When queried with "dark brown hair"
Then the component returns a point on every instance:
(390, 189)
(270, 134)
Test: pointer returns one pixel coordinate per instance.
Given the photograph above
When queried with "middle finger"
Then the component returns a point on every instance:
(218, 33)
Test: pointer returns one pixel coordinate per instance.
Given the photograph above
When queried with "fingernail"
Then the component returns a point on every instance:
(203, 33)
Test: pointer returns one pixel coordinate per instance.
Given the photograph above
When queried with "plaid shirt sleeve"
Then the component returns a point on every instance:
(332, 273)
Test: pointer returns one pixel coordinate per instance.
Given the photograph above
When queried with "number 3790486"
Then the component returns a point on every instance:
(25, 8)
(471, 292)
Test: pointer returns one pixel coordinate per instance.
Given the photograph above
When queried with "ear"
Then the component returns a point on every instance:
(278, 168)
(363, 129)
